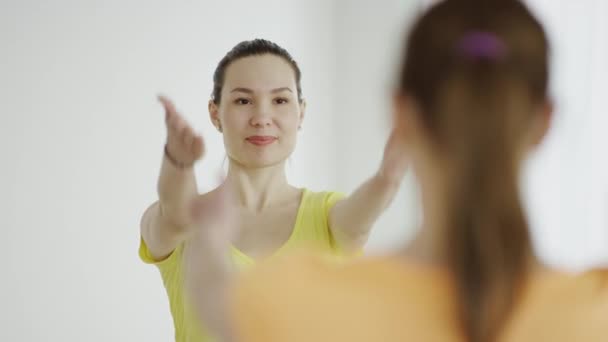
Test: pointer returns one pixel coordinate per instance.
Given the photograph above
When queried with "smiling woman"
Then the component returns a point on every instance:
(262, 106)
(258, 107)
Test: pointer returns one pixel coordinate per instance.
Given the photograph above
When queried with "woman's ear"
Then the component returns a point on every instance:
(542, 122)
(214, 115)
(405, 116)
(302, 113)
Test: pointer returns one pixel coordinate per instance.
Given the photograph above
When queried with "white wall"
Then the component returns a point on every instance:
(81, 137)
(369, 38)
(567, 186)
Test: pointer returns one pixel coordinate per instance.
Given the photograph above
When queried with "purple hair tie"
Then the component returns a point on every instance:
(482, 45)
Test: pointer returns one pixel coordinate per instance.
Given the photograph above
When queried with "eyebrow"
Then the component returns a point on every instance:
(249, 91)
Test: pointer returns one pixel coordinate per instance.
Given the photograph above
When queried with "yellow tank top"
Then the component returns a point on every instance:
(311, 230)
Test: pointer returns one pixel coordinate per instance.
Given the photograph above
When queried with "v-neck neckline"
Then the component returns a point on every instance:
(251, 260)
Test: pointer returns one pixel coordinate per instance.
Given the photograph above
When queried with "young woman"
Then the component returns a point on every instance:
(257, 106)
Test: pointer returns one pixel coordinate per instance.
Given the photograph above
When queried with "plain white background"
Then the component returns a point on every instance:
(81, 137)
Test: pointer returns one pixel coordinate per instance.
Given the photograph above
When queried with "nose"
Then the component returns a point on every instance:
(262, 116)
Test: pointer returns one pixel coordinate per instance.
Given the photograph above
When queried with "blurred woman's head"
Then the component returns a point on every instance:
(471, 102)
(475, 76)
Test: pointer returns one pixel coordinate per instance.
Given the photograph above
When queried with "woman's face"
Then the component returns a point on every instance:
(259, 113)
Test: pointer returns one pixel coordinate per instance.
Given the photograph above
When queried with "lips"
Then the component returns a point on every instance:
(261, 140)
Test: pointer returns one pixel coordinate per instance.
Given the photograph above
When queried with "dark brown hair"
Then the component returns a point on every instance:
(255, 47)
(477, 69)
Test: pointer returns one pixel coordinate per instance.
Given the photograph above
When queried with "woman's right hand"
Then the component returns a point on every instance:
(168, 222)
(184, 146)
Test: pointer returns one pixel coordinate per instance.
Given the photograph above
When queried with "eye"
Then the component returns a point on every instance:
(281, 100)
(242, 101)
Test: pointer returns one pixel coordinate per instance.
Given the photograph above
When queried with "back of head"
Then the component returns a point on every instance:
(477, 69)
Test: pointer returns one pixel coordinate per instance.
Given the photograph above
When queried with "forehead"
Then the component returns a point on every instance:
(264, 72)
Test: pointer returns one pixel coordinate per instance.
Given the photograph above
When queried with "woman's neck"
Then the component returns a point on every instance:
(259, 188)
(428, 244)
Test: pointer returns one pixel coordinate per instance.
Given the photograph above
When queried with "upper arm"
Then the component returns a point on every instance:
(348, 240)
(159, 234)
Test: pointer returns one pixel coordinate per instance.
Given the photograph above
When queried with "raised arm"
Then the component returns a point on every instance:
(168, 221)
(352, 218)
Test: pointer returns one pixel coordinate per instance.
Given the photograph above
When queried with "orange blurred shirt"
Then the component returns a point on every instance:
(307, 298)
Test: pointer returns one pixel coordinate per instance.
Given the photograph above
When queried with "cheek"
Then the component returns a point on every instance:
(235, 118)
(289, 119)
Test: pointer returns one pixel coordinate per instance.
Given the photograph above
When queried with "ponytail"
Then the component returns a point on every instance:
(488, 242)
